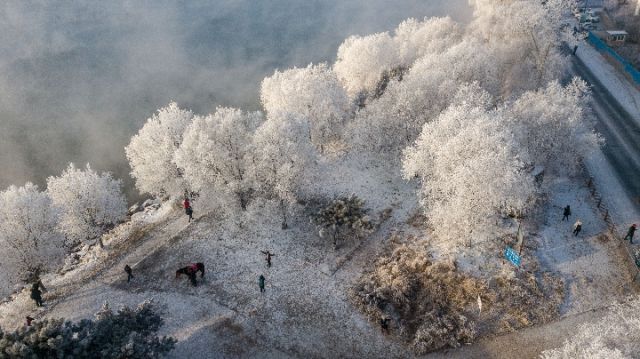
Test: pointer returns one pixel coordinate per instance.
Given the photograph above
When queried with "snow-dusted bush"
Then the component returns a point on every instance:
(216, 152)
(29, 239)
(128, 333)
(457, 157)
(313, 92)
(346, 213)
(614, 336)
(151, 152)
(361, 61)
(553, 125)
(90, 203)
(283, 155)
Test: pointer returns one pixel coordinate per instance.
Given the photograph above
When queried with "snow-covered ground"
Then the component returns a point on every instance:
(305, 311)
(626, 93)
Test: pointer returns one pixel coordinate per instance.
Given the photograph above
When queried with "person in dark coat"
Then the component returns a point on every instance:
(384, 324)
(129, 272)
(268, 257)
(36, 294)
(192, 277)
(29, 320)
(630, 233)
(261, 283)
(577, 227)
(566, 213)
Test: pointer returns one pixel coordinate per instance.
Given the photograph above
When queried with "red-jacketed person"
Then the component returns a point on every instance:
(187, 208)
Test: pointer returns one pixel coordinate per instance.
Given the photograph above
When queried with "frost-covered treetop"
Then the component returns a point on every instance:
(362, 60)
(89, 202)
(151, 152)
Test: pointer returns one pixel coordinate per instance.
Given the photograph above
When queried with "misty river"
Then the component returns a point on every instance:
(79, 78)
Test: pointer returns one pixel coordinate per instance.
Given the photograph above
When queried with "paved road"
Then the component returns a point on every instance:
(621, 133)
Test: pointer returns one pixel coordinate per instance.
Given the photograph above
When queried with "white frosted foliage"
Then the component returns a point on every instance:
(216, 153)
(313, 92)
(90, 203)
(151, 152)
(29, 237)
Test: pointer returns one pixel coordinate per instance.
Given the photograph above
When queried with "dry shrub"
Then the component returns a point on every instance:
(433, 305)
(525, 300)
(425, 300)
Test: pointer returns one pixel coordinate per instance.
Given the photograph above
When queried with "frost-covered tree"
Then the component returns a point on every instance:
(526, 37)
(343, 213)
(283, 155)
(151, 152)
(313, 92)
(393, 121)
(216, 153)
(554, 126)
(127, 333)
(90, 203)
(29, 239)
(613, 337)
(457, 157)
(362, 60)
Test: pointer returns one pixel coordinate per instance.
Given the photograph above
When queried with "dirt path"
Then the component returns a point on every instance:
(524, 344)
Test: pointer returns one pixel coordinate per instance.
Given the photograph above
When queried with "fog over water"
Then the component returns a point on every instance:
(79, 78)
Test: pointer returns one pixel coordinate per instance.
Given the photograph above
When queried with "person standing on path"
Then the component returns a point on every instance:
(268, 254)
(630, 233)
(36, 294)
(384, 324)
(29, 320)
(129, 272)
(566, 213)
(187, 208)
(577, 227)
(261, 283)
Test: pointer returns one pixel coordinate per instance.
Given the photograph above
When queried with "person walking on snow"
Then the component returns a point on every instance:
(187, 208)
(261, 283)
(36, 294)
(268, 254)
(129, 272)
(630, 233)
(566, 213)
(577, 227)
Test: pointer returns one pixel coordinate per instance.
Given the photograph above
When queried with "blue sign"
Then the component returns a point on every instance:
(512, 256)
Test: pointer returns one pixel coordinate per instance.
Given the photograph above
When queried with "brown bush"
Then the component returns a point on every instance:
(432, 304)
(426, 301)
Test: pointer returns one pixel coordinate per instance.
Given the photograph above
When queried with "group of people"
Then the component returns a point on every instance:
(577, 227)
(191, 271)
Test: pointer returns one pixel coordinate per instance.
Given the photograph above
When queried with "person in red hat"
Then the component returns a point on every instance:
(630, 233)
